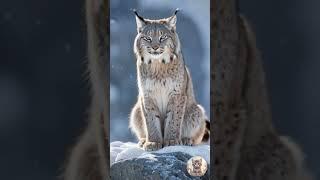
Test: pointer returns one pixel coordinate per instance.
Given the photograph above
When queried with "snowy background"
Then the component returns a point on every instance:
(193, 27)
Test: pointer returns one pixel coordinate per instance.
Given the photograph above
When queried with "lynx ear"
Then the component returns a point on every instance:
(140, 21)
(172, 21)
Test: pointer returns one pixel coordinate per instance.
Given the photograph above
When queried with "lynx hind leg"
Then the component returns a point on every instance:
(137, 125)
(193, 125)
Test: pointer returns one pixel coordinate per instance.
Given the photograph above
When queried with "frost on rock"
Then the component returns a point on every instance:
(128, 161)
(121, 151)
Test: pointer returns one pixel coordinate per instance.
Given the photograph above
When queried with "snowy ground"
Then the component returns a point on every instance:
(121, 151)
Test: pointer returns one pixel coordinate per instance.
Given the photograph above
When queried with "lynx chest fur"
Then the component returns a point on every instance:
(160, 81)
(160, 90)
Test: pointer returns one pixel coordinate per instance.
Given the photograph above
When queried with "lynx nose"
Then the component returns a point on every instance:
(155, 47)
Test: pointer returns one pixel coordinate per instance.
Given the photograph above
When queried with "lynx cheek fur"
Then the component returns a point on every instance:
(166, 112)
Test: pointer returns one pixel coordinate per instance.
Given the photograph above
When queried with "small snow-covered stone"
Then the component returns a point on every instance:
(116, 144)
(129, 153)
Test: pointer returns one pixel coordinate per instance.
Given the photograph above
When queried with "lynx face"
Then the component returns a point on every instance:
(197, 163)
(197, 166)
(156, 39)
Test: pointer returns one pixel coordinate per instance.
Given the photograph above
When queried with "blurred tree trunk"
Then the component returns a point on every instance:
(90, 158)
(240, 104)
(226, 82)
(98, 31)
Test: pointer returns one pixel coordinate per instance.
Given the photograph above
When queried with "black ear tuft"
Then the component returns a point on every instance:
(139, 20)
(176, 11)
(136, 13)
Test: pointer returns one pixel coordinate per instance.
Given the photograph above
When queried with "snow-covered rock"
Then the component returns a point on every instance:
(128, 161)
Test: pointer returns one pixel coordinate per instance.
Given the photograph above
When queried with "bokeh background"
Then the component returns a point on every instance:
(44, 93)
(193, 28)
(289, 39)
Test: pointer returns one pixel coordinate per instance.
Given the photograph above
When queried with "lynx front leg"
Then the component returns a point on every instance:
(151, 115)
(173, 121)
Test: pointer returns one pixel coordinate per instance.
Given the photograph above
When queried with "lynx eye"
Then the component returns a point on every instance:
(147, 39)
(162, 38)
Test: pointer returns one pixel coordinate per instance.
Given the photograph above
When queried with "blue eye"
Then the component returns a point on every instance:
(162, 38)
(147, 39)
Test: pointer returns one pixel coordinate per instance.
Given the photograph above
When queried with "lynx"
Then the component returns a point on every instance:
(166, 112)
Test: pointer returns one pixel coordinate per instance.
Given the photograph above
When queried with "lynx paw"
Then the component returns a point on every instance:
(141, 142)
(172, 142)
(187, 141)
(152, 146)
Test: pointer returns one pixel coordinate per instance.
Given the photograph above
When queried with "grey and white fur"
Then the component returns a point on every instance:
(166, 112)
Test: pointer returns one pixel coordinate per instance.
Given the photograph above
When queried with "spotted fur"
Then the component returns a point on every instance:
(166, 112)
